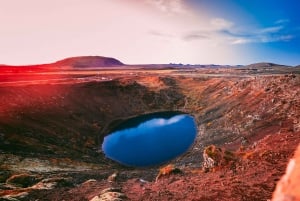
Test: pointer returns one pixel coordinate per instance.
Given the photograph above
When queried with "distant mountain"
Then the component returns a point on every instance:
(297, 68)
(88, 61)
(264, 65)
(75, 62)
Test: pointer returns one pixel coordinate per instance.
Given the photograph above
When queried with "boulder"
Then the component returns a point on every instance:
(216, 157)
(22, 180)
(287, 188)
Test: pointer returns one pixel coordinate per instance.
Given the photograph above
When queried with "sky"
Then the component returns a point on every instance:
(151, 31)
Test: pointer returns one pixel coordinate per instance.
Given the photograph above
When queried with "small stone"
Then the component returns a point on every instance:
(143, 181)
(22, 180)
(16, 197)
(167, 170)
(51, 183)
(89, 181)
(244, 141)
(111, 189)
(110, 194)
(113, 177)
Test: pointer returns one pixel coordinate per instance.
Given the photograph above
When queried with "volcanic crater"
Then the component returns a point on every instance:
(53, 122)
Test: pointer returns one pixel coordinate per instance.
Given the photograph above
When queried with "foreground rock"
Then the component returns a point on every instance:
(110, 194)
(288, 188)
(216, 157)
(22, 180)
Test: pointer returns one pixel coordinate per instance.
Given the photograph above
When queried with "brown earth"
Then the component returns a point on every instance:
(52, 125)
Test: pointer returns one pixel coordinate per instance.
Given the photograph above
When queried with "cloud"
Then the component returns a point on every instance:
(209, 30)
(163, 122)
(169, 6)
(282, 21)
(241, 41)
(220, 24)
(196, 36)
(160, 34)
(262, 39)
(283, 38)
(225, 31)
(278, 33)
(264, 35)
(274, 29)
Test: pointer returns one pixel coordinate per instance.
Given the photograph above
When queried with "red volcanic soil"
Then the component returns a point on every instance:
(51, 132)
(252, 177)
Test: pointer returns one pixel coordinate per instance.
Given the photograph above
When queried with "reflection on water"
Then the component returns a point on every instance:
(151, 142)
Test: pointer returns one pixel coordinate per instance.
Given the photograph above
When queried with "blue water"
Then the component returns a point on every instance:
(154, 141)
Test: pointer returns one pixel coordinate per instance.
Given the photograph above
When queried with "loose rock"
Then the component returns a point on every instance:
(110, 194)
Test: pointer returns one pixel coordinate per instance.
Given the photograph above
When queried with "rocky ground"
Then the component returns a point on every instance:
(51, 130)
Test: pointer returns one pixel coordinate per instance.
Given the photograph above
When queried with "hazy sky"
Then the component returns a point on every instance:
(151, 31)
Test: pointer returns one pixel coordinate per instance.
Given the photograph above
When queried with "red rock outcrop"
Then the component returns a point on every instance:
(288, 188)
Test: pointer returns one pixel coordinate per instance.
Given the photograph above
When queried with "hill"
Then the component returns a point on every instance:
(264, 65)
(88, 61)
